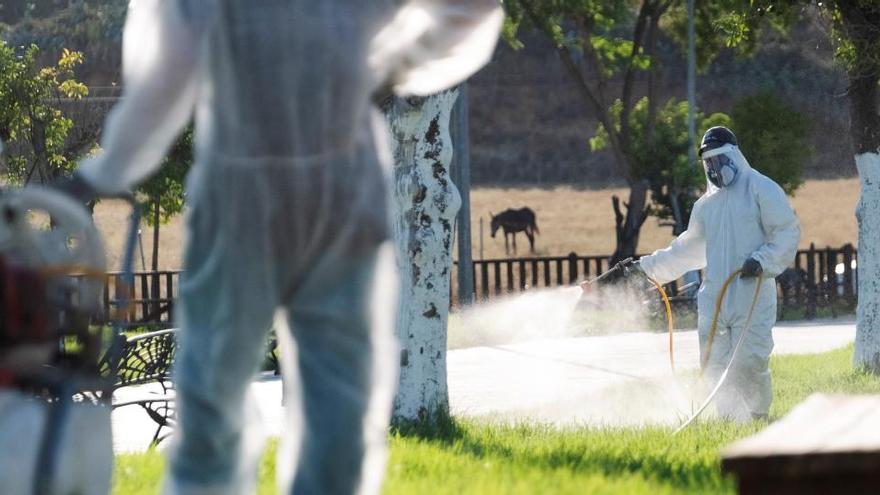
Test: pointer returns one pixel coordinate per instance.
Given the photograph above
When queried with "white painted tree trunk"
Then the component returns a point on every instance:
(426, 202)
(867, 348)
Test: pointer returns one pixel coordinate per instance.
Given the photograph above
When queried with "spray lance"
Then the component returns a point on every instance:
(625, 269)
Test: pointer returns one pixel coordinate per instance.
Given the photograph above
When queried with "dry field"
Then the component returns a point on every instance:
(581, 221)
(571, 220)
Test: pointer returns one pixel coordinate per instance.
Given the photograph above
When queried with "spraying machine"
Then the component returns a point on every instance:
(54, 401)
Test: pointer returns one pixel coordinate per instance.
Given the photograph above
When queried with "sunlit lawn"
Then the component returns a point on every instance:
(463, 456)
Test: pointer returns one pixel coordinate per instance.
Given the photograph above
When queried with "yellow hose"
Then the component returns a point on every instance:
(742, 338)
(705, 359)
(720, 300)
(668, 321)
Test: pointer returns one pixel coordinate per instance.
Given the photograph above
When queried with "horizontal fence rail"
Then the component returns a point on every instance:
(820, 281)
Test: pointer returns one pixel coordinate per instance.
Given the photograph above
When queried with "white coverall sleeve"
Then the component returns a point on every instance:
(782, 231)
(687, 252)
(159, 52)
(432, 45)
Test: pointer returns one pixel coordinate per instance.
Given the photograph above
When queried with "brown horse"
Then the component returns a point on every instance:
(513, 221)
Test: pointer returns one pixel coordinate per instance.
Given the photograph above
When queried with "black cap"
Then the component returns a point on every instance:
(717, 137)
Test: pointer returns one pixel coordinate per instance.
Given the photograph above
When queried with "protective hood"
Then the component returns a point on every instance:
(729, 175)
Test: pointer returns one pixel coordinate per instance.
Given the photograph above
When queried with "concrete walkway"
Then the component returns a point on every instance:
(618, 379)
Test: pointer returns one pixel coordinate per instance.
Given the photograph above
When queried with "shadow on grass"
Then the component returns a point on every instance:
(685, 462)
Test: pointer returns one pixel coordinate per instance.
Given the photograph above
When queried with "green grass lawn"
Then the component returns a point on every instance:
(463, 456)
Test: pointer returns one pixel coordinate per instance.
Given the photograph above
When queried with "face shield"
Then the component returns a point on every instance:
(721, 169)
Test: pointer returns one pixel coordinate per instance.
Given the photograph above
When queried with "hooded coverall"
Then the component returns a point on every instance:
(749, 218)
(287, 216)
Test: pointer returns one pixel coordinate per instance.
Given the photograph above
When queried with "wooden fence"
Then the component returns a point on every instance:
(821, 281)
(498, 277)
(151, 299)
(819, 278)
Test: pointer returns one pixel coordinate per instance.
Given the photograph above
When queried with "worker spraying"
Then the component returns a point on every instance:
(743, 223)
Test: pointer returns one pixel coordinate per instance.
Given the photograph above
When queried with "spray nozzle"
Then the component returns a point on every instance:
(619, 272)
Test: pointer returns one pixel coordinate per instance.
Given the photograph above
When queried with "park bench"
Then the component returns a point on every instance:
(141, 360)
(827, 444)
(148, 359)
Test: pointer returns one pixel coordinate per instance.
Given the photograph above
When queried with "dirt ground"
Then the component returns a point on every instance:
(570, 220)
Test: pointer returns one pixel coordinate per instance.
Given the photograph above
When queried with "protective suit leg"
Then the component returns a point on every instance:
(338, 398)
(750, 373)
(226, 306)
(728, 402)
(747, 391)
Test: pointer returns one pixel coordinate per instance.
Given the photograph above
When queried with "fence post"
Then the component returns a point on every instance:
(148, 300)
(169, 295)
(572, 268)
(107, 315)
(484, 280)
(848, 276)
(534, 272)
(831, 274)
(812, 286)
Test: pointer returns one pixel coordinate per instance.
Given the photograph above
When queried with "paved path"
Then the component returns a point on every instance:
(618, 379)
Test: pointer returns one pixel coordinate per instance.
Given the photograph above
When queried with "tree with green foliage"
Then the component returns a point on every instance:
(32, 121)
(774, 137)
(720, 25)
(588, 36)
(163, 195)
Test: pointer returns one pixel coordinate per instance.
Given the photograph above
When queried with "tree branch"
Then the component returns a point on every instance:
(619, 148)
(594, 96)
(650, 49)
(629, 76)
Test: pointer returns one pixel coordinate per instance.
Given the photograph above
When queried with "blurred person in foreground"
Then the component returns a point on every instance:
(287, 218)
(743, 221)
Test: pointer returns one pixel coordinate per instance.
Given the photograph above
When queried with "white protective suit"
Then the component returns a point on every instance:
(287, 214)
(750, 218)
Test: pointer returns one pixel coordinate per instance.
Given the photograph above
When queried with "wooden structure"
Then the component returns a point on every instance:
(827, 444)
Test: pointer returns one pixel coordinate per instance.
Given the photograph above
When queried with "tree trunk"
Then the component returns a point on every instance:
(41, 153)
(859, 21)
(627, 227)
(865, 129)
(154, 286)
(867, 347)
(426, 203)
